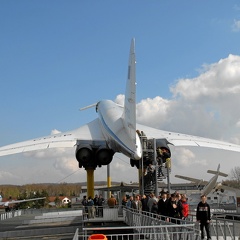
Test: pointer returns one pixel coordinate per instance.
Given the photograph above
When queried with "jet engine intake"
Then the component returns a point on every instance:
(104, 156)
(84, 155)
(89, 156)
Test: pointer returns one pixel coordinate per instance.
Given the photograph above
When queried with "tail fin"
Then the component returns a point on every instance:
(129, 113)
(218, 172)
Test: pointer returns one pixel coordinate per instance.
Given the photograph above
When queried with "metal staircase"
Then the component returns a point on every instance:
(155, 166)
(149, 178)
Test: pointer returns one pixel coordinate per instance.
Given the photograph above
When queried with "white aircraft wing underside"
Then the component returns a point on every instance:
(20, 201)
(178, 139)
(88, 132)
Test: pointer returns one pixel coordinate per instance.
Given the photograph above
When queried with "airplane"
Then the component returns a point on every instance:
(7, 204)
(209, 185)
(114, 130)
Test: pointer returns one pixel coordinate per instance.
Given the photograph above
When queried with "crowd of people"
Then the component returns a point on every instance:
(93, 206)
(169, 207)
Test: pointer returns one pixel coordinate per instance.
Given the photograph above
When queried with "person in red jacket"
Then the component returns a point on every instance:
(185, 207)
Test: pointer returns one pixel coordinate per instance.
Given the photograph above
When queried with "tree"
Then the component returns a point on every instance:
(57, 201)
(234, 180)
(235, 174)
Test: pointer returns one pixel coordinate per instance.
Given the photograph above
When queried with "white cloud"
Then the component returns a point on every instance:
(238, 124)
(236, 26)
(120, 99)
(63, 158)
(55, 131)
(211, 99)
(185, 157)
(6, 175)
(153, 111)
(216, 80)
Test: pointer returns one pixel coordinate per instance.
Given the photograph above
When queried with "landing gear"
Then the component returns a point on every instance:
(90, 182)
(134, 163)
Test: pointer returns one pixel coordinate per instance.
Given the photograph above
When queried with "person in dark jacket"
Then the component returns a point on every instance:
(162, 206)
(100, 205)
(129, 202)
(85, 203)
(144, 201)
(179, 204)
(154, 208)
(95, 201)
(204, 216)
(173, 209)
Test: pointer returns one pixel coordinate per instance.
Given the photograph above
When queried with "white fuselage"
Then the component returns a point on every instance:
(115, 132)
(210, 186)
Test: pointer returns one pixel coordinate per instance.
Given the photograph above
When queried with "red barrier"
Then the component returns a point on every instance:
(97, 237)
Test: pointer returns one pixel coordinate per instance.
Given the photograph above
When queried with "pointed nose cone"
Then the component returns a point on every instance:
(138, 148)
(137, 155)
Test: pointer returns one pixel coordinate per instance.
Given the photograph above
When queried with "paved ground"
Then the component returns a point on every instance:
(21, 227)
(52, 225)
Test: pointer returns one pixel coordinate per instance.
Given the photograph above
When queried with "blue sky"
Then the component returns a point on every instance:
(59, 56)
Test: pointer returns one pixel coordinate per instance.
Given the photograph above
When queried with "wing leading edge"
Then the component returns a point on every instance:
(194, 180)
(178, 139)
(20, 201)
(88, 132)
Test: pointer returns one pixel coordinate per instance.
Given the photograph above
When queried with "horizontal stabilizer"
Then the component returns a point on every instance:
(217, 172)
(89, 106)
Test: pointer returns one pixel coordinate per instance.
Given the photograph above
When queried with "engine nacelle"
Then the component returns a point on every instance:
(90, 157)
(84, 155)
(104, 156)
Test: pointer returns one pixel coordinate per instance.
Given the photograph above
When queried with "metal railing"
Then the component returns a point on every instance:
(7, 215)
(101, 212)
(164, 232)
(145, 225)
(226, 226)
